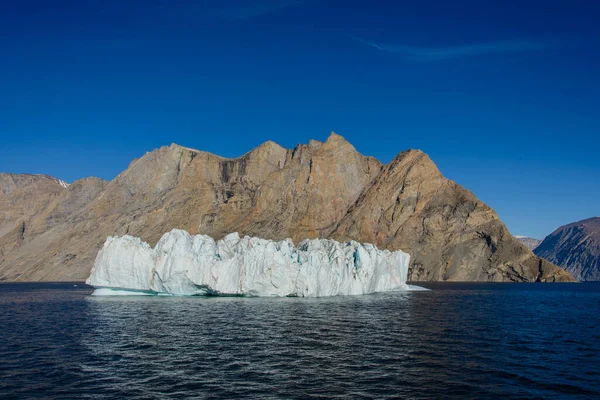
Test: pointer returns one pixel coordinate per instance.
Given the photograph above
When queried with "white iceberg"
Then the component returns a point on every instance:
(182, 264)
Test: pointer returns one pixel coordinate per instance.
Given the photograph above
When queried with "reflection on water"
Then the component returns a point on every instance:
(454, 341)
(239, 346)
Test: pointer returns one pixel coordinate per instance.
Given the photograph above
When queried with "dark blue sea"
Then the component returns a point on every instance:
(456, 341)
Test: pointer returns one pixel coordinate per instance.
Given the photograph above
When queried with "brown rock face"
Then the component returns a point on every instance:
(23, 197)
(316, 190)
(36, 212)
(449, 234)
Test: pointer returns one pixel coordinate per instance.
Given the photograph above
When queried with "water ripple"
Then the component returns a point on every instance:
(456, 341)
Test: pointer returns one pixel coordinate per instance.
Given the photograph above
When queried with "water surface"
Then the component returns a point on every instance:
(455, 341)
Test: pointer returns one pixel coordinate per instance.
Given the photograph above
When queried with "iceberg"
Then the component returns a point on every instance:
(184, 264)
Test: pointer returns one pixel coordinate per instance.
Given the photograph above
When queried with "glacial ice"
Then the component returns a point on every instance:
(182, 264)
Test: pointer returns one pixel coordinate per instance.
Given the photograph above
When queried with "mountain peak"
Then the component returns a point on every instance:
(530, 243)
(334, 137)
(337, 142)
(576, 248)
(593, 221)
(268, 150)
(314, 144)
(317, 190)
(10, 182)
(419, 161)
(269, 144)
(178, 146)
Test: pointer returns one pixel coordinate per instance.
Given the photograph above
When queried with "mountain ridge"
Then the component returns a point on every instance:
(576, 248)
(320, 189)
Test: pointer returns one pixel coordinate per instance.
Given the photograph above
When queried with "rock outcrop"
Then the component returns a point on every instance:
(318, 190)
(37, 213)
(576, 248)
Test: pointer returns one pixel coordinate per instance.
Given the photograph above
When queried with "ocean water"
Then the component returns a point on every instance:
(456, 341)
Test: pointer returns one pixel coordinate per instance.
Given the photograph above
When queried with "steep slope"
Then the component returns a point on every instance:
(449, 234)
(576, 248)
(37, 190)
(38, 213)
(22, 196)
(315, 190)
(530, 243)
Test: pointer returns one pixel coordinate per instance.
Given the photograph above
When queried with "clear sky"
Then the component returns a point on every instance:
(503, 95)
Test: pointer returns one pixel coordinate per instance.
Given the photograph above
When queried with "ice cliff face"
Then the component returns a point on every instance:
(182, 264)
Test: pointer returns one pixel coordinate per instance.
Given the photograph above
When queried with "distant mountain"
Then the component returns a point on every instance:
(320, 189)
(576, 248)
(531, 243)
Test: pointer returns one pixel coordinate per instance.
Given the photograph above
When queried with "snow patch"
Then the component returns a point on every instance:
(182, 264)
(62, 183)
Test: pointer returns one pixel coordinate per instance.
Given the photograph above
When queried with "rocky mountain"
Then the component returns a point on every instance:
(320, 189)
(576, 248)
(530, 243)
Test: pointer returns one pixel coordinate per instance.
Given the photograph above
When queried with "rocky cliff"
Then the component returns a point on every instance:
(576, 248)
(327, 190)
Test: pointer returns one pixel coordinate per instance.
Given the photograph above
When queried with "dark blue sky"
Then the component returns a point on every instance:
(504, 96)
